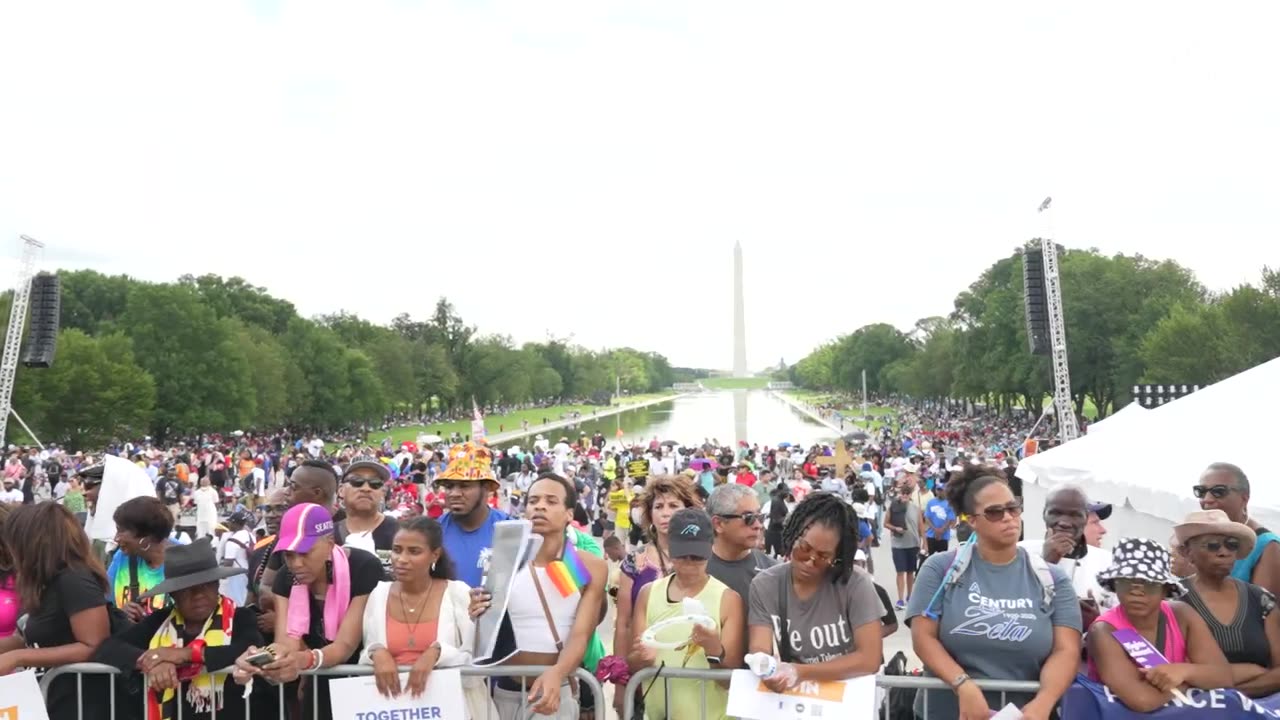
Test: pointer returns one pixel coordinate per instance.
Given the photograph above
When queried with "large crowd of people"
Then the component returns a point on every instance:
(260, 560)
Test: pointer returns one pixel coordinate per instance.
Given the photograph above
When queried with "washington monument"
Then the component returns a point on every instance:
(739, 321)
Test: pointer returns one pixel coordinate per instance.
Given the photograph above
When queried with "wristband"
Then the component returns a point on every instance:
(317, 657)
(197, 652)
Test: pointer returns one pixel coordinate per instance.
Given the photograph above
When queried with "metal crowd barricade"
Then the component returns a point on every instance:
(648, 677)
(588, 683)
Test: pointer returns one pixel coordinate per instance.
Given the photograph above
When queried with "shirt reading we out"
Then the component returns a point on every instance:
(821, 627)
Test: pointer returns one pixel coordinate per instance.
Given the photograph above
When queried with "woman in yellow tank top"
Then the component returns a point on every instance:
(690, 538)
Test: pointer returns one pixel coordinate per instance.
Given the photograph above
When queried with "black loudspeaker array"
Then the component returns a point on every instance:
(46, 308)
(1150, 396)
(1034, 295)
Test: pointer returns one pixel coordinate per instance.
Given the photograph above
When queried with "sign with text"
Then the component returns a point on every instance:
(1140, 651)
(357, 698)
(1088, 700)
(848, 700)
(20, 697)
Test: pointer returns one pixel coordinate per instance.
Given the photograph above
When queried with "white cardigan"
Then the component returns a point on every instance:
(456, 631)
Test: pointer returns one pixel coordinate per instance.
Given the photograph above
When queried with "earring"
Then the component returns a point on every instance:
(145, 546)
(433, 567)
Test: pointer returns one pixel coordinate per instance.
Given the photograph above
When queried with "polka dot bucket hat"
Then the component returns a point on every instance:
(1141, 559)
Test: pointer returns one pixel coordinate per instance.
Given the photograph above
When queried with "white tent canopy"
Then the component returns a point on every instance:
(1152, 458)
(1128, 416)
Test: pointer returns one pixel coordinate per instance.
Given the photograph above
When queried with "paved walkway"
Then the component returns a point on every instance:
(508, 436)
(808, 411)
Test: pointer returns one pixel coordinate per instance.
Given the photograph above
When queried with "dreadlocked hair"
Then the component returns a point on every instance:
(830, 510)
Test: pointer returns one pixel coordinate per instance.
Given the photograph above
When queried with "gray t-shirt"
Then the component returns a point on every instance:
(820, 628)
(910, 538)
(738, 574)
(992, 623)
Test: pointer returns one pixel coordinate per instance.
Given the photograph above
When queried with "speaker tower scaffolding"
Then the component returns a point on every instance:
(1068, 428)
(17, 321)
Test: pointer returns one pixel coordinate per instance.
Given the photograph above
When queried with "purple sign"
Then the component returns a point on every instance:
(1142, 652)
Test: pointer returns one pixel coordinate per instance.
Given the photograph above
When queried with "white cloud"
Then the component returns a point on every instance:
(607, 155)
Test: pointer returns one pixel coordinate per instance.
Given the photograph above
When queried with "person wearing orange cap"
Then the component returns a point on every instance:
(467, 484)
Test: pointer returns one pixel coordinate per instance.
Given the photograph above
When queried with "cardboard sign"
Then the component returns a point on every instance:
(357, 698)
(848, 700)
(1140, 651)
(20, 697)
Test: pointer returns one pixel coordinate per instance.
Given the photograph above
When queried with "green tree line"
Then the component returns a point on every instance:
(213, 354)
(1129, 320)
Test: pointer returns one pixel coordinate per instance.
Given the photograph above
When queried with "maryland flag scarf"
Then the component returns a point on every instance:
(203, 690)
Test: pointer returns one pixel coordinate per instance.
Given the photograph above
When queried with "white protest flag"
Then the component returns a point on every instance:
(121, 481)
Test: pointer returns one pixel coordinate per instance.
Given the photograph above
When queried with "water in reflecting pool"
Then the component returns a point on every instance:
(726, 416)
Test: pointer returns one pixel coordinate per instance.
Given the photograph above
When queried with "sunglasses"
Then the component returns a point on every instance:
(996, 513)
(803, 552)
(1218, 491)
(1213, 546)
(360, 482)
(1144, 587)
(747, 518)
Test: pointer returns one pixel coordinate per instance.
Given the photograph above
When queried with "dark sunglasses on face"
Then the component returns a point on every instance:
(1124, 587)
(1213, 546)
(361, 482)
(1218, 491)
(996, 513)
(747, 518)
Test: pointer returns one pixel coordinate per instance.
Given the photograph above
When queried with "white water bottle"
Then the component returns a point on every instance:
(762, 665)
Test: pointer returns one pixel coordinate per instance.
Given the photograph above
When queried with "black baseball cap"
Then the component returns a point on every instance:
(1103, 510)
(690, 534)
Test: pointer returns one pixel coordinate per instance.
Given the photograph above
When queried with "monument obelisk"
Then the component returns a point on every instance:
(739, 319)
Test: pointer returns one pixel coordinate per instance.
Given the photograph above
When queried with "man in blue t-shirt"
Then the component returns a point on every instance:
(467, 484)
(939, 519)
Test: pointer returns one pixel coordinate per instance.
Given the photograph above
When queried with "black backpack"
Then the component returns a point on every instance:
(898, 513)
(900, 702)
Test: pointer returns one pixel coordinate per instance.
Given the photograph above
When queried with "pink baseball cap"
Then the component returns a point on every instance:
(302, 526)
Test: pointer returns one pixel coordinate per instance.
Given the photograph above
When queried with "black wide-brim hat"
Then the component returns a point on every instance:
(186, 566)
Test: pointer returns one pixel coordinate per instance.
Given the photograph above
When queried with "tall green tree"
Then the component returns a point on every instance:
(201, 374)
(94, 393)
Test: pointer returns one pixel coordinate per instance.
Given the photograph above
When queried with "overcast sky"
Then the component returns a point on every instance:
(582, 169)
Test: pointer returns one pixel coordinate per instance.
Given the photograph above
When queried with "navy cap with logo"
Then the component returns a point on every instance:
(689, 534)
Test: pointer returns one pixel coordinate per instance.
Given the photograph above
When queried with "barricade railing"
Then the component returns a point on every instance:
(648, 677)
(588, 683)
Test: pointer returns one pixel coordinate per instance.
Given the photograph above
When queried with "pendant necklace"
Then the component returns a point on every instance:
(413, 612)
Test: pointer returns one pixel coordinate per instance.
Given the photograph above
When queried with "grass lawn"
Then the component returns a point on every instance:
(735, 383)
(494, 424)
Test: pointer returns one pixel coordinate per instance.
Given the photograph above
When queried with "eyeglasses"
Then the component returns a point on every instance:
(1232, 544)
(1145, 587)
(803, 552)
(747, 518)
(361, 482)
(1218, 491)
(996, 513)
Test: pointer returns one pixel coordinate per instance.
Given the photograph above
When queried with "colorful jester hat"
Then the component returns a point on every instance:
(469, 461)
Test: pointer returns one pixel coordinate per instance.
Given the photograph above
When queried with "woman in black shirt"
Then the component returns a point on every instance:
(64, 588)
(319, 594)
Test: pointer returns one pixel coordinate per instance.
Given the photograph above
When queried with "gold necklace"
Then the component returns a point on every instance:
(412, 612)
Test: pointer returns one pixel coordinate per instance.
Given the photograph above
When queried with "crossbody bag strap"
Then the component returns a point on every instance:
(546, 609)
(784, 641)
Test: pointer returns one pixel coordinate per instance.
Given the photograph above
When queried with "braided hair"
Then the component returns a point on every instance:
(830, 510)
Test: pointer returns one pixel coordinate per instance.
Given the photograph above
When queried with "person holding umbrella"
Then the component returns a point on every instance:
(176, 649)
